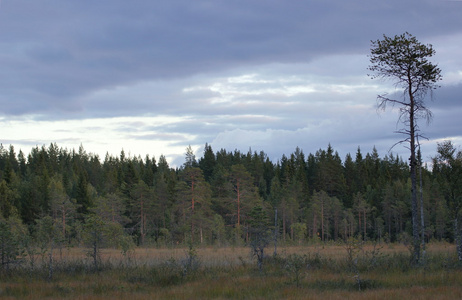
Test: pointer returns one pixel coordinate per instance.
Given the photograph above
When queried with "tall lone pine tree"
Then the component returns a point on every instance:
(404, 60)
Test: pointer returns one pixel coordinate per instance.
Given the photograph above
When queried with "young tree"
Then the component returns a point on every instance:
(93, 236)
(111, 208)
(141, 203)
(49, 235)
(208, 162)
(336, 210)
(12, 232)
(163, 206)
(190, 158)
(244, 192)
(62, 208)
(404, 60)
(362, 208)
(98, 233)
(319, 210)
(447, 166)
(330, 173)
(260, 233)
(6, 199)
(82, 195)
(194, 200)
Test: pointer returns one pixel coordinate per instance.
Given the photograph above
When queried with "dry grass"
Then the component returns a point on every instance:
(228, 256)
(230, 273)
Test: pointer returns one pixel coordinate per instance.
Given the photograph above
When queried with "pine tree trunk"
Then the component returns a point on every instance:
(284, 223)
(192, 213)
(413, 163)
(50, 266)
(238, 205)
(314, 226)
(336, 229)
(64, 221)
(142, 222)
(389, 227)
(352, 229)
(322, 221)
(95, 250)
(422, 216)
(345, 237)
(291, 228)
(365, 225)
(275, 231)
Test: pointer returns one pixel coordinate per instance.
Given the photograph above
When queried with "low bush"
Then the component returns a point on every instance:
(189, 274)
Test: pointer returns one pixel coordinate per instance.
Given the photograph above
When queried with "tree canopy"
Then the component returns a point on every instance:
(317, 196)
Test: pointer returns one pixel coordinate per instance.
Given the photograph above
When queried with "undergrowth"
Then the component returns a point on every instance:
(359, 268)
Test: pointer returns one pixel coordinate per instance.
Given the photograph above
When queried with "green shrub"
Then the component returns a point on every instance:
(296, 266)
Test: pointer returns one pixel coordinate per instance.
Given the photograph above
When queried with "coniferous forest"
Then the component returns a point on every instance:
(214, 200)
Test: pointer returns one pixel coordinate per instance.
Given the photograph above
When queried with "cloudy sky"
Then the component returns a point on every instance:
(152, 77)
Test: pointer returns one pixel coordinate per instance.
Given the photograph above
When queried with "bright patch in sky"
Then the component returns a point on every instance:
(153, 78)
(134, 135)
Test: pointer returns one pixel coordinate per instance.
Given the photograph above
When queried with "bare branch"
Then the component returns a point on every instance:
(405, 60)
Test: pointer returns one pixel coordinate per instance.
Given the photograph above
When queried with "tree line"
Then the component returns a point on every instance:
(214, 199)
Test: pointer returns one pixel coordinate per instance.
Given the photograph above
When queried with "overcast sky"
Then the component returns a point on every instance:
(152, 77)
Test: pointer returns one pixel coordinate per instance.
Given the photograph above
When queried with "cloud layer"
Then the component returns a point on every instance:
(152, 77)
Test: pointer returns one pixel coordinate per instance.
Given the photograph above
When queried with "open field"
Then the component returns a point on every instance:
(301, 272)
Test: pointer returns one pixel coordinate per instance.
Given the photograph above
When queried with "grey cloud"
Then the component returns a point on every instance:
(446, 123)
(38, 143)
(447, 97)
(184, 59)
(67, 49)
(446, 107)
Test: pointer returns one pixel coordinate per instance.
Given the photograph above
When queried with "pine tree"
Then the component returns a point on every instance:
(404, 60)
(207, 162)
(447, 165)
(195, 198)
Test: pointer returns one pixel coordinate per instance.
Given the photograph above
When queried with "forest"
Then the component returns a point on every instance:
(59, 195)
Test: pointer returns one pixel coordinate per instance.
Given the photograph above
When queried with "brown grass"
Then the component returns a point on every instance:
(230, 273)
(226, 256)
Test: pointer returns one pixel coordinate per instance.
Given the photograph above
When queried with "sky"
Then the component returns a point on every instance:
(153, 77)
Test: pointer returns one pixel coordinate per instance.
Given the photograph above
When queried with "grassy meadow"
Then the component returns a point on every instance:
(332, 271)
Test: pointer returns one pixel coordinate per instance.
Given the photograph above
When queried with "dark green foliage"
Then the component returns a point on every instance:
(153, 203)
(297, 266)
(260, 233)
(208, 162)
(12, 234)
(447, 166)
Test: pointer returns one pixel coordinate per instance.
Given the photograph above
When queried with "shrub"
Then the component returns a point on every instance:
(296, 266)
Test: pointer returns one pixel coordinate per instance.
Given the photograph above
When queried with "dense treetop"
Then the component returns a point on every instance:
(317, 196)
